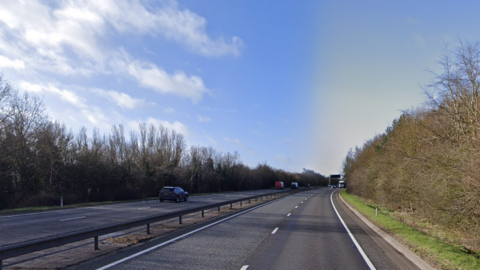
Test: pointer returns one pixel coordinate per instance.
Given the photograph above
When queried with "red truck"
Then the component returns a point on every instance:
(279, 185)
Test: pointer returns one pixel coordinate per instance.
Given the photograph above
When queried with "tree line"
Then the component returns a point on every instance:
(427, 163)
(41, 160)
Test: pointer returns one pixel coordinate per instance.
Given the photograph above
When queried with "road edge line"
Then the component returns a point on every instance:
(365, 257)
(414, 258)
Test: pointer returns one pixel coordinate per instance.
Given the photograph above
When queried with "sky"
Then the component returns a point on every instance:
(295, 84)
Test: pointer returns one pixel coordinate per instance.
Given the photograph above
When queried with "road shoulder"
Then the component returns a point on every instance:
(393, 243)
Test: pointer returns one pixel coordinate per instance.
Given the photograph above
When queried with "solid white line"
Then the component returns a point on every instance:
(245, 267)
(177, 238)
(275, 230)
(365, 257)
(67, 219)
(289, 214)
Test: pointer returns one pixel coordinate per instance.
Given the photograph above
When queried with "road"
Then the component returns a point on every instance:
(24, 227)
(300, 231)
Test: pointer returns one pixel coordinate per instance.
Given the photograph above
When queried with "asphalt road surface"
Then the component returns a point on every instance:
(300, 231)
(24, 227)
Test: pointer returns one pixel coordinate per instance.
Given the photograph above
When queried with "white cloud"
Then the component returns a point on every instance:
(189, 29)
(150, 76)
(169, 110)
(176, 125)
(121, 99)
(65, 95)
(97, 118)
(203, 118)
(283, 159)
(244, 147)
(67, 37)
(7, 63)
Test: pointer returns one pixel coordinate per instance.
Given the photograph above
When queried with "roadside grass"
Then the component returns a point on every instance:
(439, 254)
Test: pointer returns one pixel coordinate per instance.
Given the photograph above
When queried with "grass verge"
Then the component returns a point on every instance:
(439, 254)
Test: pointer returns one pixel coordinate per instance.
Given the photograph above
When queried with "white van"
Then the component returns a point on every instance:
(294, 185)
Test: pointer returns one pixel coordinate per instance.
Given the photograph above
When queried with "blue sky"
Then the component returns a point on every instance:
(291, 83)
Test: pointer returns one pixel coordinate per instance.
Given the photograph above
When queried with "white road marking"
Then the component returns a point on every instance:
(142, 208)
(301, 202)
(245, 267)
(275, 230)
(367, 260)
(289, 214)
(67, 219)
(178, 238)
(296, 206)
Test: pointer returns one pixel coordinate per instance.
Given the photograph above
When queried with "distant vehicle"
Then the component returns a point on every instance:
(279, 185)
(341, 184)
(175, 194)
(294, 185)
(307, 185)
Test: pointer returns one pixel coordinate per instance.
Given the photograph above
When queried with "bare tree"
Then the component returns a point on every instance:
(454, 93)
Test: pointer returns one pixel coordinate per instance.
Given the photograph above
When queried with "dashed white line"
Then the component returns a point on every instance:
(275, 230)
(301, 202)
(245, 267)
(289, 214)
(296, 206)
(67, 219)
(176, 239)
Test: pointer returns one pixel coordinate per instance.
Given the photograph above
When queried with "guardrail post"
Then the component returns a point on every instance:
(179, 219)
(1, 265)
(231, 205)
(219, 209)
(148, 228)
(248, 201)
(240, 203)
(203, 213)
(95, 246)
(256, 199)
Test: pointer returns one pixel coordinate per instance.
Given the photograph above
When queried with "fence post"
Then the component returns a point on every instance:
(95, 246)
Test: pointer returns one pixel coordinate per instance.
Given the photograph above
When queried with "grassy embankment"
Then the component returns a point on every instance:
(438, 253)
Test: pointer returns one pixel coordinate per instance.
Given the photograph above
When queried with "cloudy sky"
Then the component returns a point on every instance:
(291, 83)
